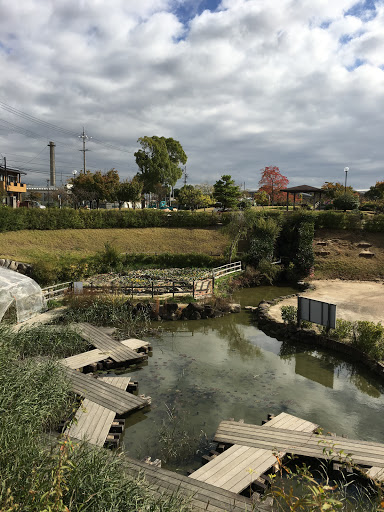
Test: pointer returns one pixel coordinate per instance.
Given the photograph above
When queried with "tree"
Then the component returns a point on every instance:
(376, 192)
(333, 190)
(84, 188)
(226, 192)
(106, 185)
(129, 191)
(190, 196)
(261, 198)
(159, 161)
(272, 181)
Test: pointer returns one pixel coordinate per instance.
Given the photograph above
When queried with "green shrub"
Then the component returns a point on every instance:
(346, 201)
(343, 330)
(369, 337)
(289, 314)
(375, 224)
(330, 220)
(68, 218)
(265, 231)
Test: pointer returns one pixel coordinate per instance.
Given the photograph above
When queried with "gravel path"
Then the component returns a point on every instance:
(355, 300)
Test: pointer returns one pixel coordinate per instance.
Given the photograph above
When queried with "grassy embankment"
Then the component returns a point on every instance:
(29, 246)
(344, 261)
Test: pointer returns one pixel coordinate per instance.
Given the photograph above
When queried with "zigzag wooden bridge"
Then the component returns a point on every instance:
(364, 453)
(241, 465)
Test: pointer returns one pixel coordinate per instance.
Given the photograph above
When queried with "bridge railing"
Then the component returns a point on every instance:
(224, 270)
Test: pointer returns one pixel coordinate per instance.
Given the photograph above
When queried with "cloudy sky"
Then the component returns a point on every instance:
(242, 84)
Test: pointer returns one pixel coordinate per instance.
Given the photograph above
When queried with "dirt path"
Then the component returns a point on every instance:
(355, 300)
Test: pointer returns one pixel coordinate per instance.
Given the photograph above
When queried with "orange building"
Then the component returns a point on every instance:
(11, 187)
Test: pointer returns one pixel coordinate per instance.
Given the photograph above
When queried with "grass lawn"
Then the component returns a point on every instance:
(27, 246)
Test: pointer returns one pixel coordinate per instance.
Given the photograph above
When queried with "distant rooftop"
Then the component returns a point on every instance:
(302, 189)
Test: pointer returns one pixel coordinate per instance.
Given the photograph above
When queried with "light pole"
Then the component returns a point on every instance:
(346, 169)
(48, 192)
(74, 172)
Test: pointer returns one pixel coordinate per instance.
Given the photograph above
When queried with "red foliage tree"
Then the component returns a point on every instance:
(272, 181)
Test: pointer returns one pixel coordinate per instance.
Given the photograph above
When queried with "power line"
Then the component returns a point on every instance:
(52, 126)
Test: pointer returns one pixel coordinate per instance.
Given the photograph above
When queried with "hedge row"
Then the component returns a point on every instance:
(68, 218)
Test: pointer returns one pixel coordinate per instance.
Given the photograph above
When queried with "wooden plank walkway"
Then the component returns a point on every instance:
(376, 474)
(93, 421)
(236, 468)
(103, 393)
(136, 345)
(204, 497)
(112, 348)
(300, 443)
(84, 359)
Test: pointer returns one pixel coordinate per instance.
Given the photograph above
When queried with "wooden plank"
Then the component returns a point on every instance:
(115, 350)
(236, 468)
(135, 344)
(300, 443)
(118, 382)
(203, 496)
(92, 423)
(376, 474)
(103, 393)
(84, 359)
(287, 421)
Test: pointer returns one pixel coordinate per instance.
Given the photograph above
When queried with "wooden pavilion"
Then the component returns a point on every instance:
(302, 189)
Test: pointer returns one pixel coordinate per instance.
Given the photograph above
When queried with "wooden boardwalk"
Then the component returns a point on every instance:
(93, 421)
(236, 468)
(376, 474)
(136, 345)
(204, 497)
(112, 348)
(84, 359)
(301, 443)
(104, 394)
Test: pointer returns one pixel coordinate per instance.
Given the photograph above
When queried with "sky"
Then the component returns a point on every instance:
(241, 84)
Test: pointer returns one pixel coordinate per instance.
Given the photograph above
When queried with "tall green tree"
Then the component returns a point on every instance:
(130, 191)
(375, 192)
(159, 161)
(190, 196)
(226, 192)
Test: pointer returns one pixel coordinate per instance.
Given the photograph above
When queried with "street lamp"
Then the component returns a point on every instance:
(346, 169)
(74, 172)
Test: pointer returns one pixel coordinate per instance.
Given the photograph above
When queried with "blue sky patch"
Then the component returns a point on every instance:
(365, 10)
(187, 10)
(356, 64)
(6, 49)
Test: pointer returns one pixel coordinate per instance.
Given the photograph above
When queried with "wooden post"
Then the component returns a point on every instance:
(173, 289)
(132, 291)
(152, 290)
(193, 288)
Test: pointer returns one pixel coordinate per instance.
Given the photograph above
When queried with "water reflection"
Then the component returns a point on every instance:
(215, 369)
(315, 369)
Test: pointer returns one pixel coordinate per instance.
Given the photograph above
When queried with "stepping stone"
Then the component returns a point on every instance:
(367, 254)
(322, 253)
(364, 245)
(322, 243)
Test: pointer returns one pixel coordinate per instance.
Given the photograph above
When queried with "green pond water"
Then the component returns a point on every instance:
(205, 371)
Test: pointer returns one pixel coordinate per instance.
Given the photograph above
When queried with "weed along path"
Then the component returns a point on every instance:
(205, 371)
(355, 300)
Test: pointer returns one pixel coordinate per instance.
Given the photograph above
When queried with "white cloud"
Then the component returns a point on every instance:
(298, 84)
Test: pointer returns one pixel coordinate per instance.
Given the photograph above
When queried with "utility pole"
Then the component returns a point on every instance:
(52, 163)
(185, 175)
(84, 137)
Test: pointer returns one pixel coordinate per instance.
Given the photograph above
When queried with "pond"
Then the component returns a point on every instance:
(202, 372)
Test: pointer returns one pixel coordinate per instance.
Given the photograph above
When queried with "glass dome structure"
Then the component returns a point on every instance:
(22, 290)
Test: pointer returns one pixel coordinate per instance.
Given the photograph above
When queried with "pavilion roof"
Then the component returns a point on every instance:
(302, 189)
